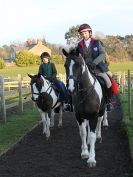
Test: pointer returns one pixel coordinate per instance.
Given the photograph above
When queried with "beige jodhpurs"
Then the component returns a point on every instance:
(106, 78)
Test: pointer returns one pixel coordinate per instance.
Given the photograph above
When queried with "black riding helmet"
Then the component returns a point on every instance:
(45, 55)
(84, 27)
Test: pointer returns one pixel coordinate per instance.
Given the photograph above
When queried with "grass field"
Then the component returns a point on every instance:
(17, 126)
(128, 122)
(14, 71)
(114, 67)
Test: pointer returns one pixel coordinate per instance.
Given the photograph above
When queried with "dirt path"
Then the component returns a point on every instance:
(60, 156)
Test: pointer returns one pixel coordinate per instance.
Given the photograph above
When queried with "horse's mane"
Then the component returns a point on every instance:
(74, 52)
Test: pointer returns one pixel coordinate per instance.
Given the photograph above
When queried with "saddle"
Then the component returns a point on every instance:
(103, 85)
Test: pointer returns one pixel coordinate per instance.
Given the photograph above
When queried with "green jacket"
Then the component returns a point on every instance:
(48, 70)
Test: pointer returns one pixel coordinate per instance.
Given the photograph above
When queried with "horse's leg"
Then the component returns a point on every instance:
(83, 134)
(47, 126)
(88, 133)
(60, 116)
(46, 123)
(52, 119)
(91, 161)
(43, 121)
(105, 120)
(98, 129)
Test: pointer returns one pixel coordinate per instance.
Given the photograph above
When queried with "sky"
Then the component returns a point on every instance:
(51, 19)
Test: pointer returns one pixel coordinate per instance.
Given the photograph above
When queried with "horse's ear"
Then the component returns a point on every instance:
(77, 51)
(30, 76)
(39, 75)
(64, 52)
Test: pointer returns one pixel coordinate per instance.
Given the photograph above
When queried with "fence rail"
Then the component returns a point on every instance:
(125, 80)
(21, 85)
(18, 86)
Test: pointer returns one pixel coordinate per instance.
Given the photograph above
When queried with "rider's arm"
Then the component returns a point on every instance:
(54, 71)
(40, 69)
(101, 56)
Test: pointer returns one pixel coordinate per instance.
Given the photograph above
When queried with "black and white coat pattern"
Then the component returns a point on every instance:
(89, 104)
(46, 101)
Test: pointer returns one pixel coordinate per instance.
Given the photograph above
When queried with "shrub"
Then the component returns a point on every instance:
(2, 63)
(26, 58)
(57, 59)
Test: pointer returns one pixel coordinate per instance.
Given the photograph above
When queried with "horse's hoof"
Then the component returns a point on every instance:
(51, 126)
(84, 156)
(99, 139)
(91, 163)
(47, 138)
(105, 127)
(43, 132)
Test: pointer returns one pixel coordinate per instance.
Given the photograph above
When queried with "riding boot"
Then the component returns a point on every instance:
(109, 97)
(68, 106)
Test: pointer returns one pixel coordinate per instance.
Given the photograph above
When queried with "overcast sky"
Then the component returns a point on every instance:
(51, 19)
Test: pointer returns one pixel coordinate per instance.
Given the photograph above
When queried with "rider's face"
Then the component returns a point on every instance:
(85, 35)
(45, 60)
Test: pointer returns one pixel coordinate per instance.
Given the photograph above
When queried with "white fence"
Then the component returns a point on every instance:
(18, 88)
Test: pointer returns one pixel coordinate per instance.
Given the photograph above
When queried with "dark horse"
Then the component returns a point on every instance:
(88, 100)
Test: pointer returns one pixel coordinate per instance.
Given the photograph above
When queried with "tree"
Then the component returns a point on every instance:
(73, 36)
(2, 63)
(26, 58)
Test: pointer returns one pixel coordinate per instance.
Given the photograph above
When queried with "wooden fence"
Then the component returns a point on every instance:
(125, 80)
(19, 88)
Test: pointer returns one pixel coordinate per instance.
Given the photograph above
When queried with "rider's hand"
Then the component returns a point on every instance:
(91, 65)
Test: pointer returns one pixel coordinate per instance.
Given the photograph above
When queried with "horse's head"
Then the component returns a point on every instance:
(36, 84)
(75, 66)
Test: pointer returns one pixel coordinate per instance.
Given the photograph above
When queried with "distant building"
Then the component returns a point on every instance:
(12, 54)
(37, 47)
(32, 45)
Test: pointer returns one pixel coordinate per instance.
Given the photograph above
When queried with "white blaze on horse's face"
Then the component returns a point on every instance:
(35, 90)
(71, 79)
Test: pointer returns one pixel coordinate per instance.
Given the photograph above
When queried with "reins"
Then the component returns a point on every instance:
(89, 92)
(45, 91)
(40, 93)
(86, 91)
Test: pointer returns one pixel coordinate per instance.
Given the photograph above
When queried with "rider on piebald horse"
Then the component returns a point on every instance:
(48, 70)
(94, 55)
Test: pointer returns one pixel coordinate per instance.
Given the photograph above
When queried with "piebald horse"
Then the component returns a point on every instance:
(88, 100)
(46, 99)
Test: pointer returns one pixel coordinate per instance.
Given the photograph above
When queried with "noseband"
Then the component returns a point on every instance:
(39, 92)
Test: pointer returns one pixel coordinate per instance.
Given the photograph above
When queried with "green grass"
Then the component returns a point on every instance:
(17, 126)
(114, 67)
(13, 71)
(130, 135)
(127, 121)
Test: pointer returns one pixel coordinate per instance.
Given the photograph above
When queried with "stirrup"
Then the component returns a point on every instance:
(67, 108)
(110, 107)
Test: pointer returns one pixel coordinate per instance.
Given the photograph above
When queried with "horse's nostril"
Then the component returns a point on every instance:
(70, 92)
(32, 99)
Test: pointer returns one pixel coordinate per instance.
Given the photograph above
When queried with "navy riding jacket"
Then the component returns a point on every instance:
(94, 44)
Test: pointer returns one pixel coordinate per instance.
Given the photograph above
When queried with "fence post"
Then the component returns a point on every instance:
(20, 92)
(129, 94)
(2, 94)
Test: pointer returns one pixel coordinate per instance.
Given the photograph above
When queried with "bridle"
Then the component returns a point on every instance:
(85, 91)
(39, 91)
